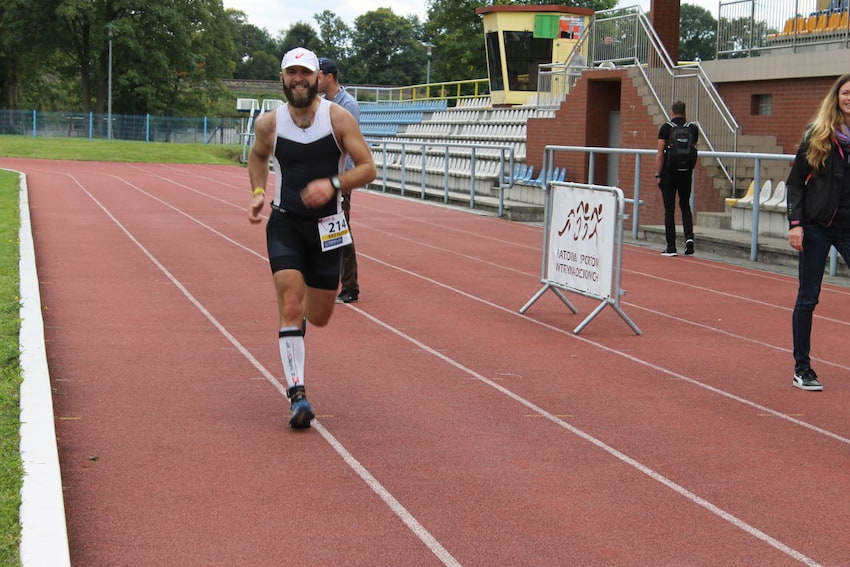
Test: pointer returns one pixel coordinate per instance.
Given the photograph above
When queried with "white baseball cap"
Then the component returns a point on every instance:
(300, 57)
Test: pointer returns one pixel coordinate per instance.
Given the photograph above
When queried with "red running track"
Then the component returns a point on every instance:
(451, 429)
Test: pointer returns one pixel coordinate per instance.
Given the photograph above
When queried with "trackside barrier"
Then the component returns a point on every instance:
(583, 246)
(419, 152)
(757, 158)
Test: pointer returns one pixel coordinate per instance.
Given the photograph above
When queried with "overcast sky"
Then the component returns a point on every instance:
(277, 15)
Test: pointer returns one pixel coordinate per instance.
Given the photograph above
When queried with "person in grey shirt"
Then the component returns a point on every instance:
(334, 92)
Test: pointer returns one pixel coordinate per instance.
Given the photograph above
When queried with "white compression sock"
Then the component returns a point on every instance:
(291, 343)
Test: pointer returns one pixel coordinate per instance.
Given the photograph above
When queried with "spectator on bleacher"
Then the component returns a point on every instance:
(675, 180)
(577, 64)
(818, 193)
(308, 135)
(333, 91)
(605, 50)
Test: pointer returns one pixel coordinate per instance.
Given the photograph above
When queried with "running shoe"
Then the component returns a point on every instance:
(689, 247)
(301, 412)
(807, 380)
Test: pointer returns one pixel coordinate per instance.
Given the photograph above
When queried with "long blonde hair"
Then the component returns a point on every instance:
(822, 130)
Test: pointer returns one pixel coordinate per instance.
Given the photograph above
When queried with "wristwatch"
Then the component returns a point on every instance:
(335, 183)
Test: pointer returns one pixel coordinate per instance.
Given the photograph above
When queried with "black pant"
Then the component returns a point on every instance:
(349, 256)
(677, 182)
(812, 262)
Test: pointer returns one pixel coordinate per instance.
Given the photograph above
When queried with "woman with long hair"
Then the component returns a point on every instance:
(819, 214)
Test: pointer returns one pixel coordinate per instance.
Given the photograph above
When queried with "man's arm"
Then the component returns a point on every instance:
(347, 132)
(258, 163)
(659, 157)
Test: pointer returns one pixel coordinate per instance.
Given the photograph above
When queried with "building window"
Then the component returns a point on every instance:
(523, 53)
(494, 62)
(762, 105)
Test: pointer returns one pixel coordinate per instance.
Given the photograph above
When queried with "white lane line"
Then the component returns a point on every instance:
(601, 346)
(622, 457)
(397, 508)
(612, 350)
(714, 509)
(503, 267)
(754, 272)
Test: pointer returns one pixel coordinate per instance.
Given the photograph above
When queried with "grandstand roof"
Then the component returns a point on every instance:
(533, 8)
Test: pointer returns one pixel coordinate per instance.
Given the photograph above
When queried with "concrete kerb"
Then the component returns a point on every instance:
(44, 536)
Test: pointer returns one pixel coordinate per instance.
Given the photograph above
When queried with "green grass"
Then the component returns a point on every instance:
(11, 470)
(118, 150)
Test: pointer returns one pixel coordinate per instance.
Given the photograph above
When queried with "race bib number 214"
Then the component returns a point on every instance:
(333, 232)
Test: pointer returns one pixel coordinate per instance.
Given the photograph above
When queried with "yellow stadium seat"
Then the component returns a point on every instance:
(747, 198)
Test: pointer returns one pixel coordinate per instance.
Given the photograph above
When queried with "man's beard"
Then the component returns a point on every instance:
(300, 100)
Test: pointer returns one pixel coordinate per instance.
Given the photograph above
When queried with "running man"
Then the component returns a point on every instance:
(307, 140)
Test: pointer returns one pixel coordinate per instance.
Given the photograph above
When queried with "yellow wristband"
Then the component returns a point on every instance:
(259, 191)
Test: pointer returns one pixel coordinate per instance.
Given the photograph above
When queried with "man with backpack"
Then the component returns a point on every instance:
(674, 166)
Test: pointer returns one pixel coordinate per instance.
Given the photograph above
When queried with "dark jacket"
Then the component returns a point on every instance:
(816, 201)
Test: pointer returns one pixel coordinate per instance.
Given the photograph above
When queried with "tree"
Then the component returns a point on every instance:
(255, 53)
(335, 36)
(25, 46)
(457, 33)
(300, 34)
(386, 49)
(697, 34)
(169, 54)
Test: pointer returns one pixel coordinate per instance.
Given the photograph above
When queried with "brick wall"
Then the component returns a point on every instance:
(582, 120)
(664, 17)
(795, 102)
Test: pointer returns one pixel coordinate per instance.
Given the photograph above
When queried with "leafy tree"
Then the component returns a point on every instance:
(169, 54)
(25, 45)
(457, 33)
(300, 34)
(335, 37)
(386, 49)
(697, 34)
(256, 53)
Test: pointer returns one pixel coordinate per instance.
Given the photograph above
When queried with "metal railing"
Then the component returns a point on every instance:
(747, 27)
(140, 128)
(549, 158)
(634, 43)
(449, 90)
(443, 152)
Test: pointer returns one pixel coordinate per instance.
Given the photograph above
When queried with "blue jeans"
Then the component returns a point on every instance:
(812, 262)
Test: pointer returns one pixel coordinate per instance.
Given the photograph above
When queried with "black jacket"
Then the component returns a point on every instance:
(816, 201)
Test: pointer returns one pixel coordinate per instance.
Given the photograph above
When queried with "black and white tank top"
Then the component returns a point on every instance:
(302, 155)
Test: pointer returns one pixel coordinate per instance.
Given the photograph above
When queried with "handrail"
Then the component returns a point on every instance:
(757, 157)
(506, 158)
(447, 90)
(636, 45)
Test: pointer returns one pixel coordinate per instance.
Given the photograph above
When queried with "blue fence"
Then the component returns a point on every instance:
(146, 128)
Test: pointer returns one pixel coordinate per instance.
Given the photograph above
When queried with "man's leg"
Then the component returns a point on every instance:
(684, 184)
(350, 289)
(684, 190)
(291, 293)
(668, 194)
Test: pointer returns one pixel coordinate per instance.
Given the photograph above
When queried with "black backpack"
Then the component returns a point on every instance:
(680, 154)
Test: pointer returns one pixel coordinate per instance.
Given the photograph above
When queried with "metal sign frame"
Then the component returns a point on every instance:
(585, 222)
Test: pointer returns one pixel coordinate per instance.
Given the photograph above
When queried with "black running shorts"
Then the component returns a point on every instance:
(293, 244)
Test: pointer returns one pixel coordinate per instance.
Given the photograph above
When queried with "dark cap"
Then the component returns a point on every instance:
(328, 67)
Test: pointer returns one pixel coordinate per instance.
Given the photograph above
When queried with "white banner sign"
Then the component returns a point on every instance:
(581, 240)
